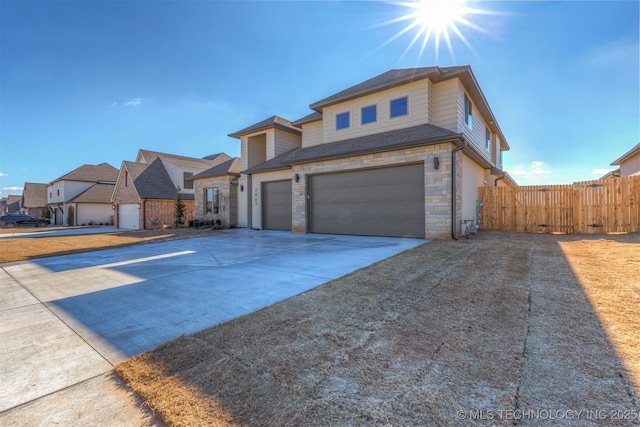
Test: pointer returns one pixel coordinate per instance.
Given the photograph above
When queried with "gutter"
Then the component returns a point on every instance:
(453, 188)
(504, 175)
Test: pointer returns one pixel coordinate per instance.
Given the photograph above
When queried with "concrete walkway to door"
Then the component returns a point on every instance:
(66, 321)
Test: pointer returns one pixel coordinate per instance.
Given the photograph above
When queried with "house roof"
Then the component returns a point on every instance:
(97, 193)
(402, 138)
(313, 117)
(183, 161)
(103, 172)
(34, 195)
(271, 122)
(14, 203)
(230, 167)
(399, 77)
(635, 150)
(152, 181)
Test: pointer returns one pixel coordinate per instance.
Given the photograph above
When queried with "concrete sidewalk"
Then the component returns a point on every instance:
(66, 321)
(52, 231)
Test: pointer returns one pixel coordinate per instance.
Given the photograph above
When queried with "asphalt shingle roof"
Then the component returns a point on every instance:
(97, 193)
(387, 80)
(151, 180)
(402, 138)
(34, 195)
(184, 161)
(103, 172)
(230, 167)
(273, 121)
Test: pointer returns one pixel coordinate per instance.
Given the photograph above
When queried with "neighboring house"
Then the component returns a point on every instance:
(376, 158)
(629, 162)
(34, 198)
(216, 193)
(3, 205)
(93, 206)
(64, 191)
(14, 203)
(145, 192)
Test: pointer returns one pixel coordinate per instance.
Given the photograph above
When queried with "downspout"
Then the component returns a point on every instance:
(453, 187)
(504, 174)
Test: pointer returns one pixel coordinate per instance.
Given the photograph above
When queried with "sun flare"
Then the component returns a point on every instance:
(435, 20)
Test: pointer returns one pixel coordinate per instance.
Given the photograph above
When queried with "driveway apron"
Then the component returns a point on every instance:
(66, 321)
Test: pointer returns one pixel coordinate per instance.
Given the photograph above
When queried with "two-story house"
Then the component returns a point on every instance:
(82, 195)
(145, 191)
(401, 154)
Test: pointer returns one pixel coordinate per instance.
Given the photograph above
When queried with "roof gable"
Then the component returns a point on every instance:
(34, 195)
(230, 167)
(271, 122)
(151, 181)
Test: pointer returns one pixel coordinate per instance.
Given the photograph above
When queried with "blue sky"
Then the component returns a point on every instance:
(94, 81)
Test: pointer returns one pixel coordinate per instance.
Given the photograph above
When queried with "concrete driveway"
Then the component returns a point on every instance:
(66, 321)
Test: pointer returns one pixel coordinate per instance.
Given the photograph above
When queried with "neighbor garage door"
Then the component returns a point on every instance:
(129, 216)
(374, 202)
(276, 205)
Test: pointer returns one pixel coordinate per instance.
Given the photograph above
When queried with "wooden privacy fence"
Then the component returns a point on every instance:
(589, 207)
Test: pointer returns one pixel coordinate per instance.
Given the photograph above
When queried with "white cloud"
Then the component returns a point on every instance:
(134, 102)
(535, 170)
(3, 174)
(13, 188)
(601, 171)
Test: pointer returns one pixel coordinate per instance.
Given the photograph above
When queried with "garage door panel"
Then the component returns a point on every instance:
(379, 202)
(129, 216)
(276, 205)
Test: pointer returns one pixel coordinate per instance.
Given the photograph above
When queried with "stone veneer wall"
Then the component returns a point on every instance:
(228, 215)
(437, 183)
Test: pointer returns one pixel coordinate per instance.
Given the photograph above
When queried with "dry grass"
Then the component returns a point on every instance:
(499, 322)
(25, 248)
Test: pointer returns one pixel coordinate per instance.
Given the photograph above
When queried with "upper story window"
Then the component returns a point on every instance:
(188, 180)
(487, 133)
(399, 107)
(500, 158)
(468, 112)
(126, 179)
(369, 114)
(342, 120)
(58, 189)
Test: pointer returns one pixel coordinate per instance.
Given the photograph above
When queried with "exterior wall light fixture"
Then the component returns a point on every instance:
(436, 163)
(297, 177)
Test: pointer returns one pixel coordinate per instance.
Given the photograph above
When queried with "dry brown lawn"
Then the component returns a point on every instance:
(25, 248)
(502, 329)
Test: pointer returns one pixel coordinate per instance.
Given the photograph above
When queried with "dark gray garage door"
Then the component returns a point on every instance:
(276, 205)
(374, 202)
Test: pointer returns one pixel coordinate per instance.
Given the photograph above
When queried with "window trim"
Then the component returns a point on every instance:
(215, 201)
(185, 180)
(487, 134)
(406, 112)
(346, 114)
(375, 113)
(468, 111)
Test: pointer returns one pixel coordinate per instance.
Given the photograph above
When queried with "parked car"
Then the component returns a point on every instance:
(13, 220)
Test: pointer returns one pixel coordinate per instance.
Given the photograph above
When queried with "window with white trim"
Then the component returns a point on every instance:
(398, 107)
(487, 133)
(211, 201)
(342, 120)
(468, 112)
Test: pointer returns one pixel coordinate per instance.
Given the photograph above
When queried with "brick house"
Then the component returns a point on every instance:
(216, 193)
(401, 154)
(145, 191)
